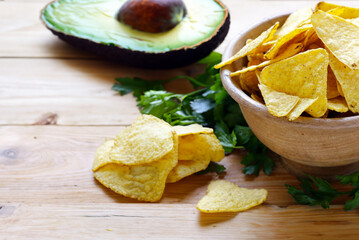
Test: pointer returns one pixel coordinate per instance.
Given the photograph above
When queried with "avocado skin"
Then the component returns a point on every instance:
(166, 60)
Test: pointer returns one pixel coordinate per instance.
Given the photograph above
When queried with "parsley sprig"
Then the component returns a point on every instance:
(209, 105)
(317, 191)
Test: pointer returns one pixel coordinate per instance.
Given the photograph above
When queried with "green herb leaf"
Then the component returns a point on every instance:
(353, 203)
(212, 167)
(210, 106)
(315, 191)
(254, 162)
(136, 85)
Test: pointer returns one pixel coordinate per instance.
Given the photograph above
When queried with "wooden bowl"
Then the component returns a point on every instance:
(315, 146)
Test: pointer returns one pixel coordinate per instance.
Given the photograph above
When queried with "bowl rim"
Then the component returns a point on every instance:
(243, 99)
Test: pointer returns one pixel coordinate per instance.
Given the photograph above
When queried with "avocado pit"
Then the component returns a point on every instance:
(154, 16)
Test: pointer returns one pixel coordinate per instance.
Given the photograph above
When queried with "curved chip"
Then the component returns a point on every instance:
(224, 196)
(206, 145)
(147, 140)
(186, 168)
(191, 129)
(145, 182)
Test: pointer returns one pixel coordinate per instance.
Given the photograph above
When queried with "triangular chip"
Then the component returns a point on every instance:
(339, 36)
(349, 82)
(303, 75)
(325, 6)
(145, 182)
(301, 106)
(298, 34)
(251, 46)
(287, 52)
(279, 104)
(338, 10)
(294, 21)
(338, 104)
(224, 196)
(147, 140)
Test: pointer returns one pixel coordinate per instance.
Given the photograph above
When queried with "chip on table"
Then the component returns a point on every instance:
(149, 153)
(224, 196)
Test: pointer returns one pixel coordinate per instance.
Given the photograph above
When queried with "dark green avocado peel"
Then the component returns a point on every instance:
(92, 25)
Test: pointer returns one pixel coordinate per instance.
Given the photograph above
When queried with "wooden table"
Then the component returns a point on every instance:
(57, 106)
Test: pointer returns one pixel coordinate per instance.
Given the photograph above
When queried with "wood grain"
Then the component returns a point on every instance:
(170, 221)
(51, 164)
(57, 107)
(78, 91)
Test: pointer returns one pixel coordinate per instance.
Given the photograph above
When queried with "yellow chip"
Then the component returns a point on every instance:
(223, 196)
(207, 145)
(251, 46)
(339, 36)
(147, 140)
(279, 104)
(303, 75)
(287, 52)
(301, 106)
(355, 21)
(248, 81)
(145, 182)
(294, 21)
(332, 88)
(187, 168)
(340, 90)
(257, 98)
(298, 34)
(338, 10)
(349, 82)
(338, 104)
(325, 6)
(191, 129)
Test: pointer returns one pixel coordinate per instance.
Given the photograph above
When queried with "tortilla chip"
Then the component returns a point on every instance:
(294, 21)
(298, 34)
(338, 104)
(251, 46)
(279, 104)
(301, 106)
(303, 75)
(349, 82)
(332, 88)
(339, 36)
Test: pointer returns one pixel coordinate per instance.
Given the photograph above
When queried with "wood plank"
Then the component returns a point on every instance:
(168, 221)
(52, 164)
(78, 91)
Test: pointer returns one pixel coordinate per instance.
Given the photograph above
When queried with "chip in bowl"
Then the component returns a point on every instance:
(294, 63)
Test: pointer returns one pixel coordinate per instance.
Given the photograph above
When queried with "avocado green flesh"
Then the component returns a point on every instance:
(96, 21)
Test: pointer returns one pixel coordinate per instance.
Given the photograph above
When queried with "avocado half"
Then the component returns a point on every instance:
(92, 26)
